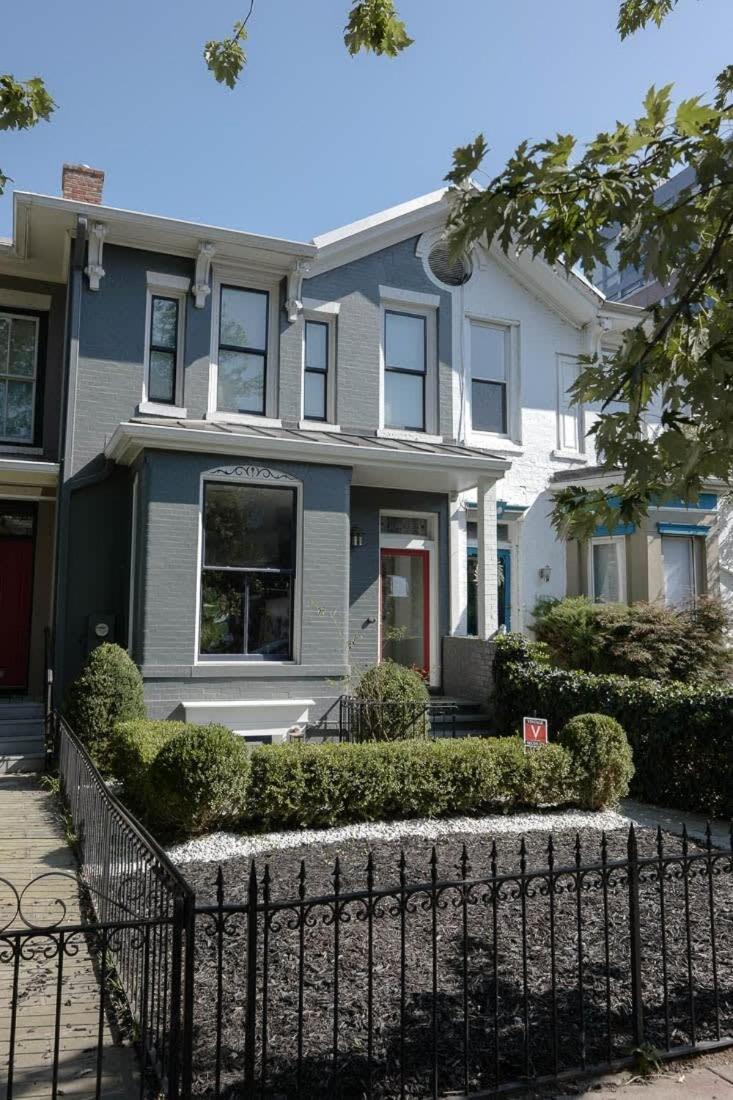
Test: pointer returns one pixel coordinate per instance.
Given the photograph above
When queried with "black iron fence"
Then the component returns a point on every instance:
(89, 960)
(378, 720)
(510, 972)
(467, 974)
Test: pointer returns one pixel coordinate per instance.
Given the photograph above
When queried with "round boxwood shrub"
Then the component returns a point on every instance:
(109, 690)
(201, 780)
(399, 697)
(601, 759)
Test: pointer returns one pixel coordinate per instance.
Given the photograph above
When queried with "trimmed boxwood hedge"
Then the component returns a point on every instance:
(679, 735)
(301, 786)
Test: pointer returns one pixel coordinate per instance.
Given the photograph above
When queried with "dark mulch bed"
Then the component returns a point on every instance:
(506, 980)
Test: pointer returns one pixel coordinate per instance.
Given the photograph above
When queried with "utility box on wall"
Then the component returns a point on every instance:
(100, 628)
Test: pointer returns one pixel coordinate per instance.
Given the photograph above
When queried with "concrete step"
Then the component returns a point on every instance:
(10, 763)
(21, 708)
(20, 727)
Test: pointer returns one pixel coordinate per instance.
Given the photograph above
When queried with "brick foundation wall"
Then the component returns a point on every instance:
(467, 668)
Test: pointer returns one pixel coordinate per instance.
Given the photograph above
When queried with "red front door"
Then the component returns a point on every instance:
(405, 584)
(16, 582)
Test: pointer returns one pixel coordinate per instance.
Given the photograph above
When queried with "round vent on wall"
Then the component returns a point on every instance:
(447, 270)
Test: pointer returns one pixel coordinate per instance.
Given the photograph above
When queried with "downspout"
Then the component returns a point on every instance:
(72, 332)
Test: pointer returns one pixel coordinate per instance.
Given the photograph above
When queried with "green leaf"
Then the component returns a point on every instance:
(374, 26)
(23, 103)
(635, 14)
(226, 59)
(692, 116)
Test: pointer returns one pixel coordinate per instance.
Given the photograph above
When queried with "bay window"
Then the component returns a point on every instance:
(242, 354)
(405, 370)
(248, 572)
(18, 376)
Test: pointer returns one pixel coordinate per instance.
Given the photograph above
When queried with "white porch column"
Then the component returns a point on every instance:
(458, 566)
(488, 610)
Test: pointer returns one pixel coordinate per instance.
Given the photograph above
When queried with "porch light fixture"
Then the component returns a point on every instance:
(357, 538)
(545, 573)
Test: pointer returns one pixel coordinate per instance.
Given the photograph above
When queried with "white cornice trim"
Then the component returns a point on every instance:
(130, 438)
(26, 471)
(162, 281)
(94, 269)
(201, 288)
(409, 297)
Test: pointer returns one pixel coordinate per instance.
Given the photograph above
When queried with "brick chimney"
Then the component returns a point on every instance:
(82, 183)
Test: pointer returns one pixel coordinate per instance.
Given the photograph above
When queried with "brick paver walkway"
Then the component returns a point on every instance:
(33, 850)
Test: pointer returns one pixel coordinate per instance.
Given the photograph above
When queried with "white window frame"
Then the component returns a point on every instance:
(10, 440)
(240, 280)
(619, 541)
(513, 431)
(160, 285)
(396, 300)
(573, 412)
(244, 665)
(327, 318)
(699, 570)
(416, 542)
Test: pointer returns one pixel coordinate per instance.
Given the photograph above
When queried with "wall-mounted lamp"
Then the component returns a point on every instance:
(544, 573)
(357, 538)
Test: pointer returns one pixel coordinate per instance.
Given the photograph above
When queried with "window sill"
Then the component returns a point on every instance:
(156, 408)
(570, 456)
(244, 418)
(234, 670)
(499, 444)
(411, 437)
(20, 449)
(317, 426)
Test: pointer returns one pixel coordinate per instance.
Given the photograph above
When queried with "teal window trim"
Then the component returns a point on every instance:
(699, 530)
(602, 532)
(706, 502)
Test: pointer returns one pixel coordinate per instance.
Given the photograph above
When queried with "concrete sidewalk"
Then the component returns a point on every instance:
(708, 1077)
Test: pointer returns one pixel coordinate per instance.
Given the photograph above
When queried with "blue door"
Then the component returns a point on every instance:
(505, 588)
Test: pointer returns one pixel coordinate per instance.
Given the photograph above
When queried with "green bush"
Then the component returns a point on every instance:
(404, 695)
(602, 761)
(316, 786)
(200, 780)
(679, 733)
(135, 746)
(642, 639)
(109, 690)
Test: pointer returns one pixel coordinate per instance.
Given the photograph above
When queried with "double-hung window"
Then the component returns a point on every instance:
(315, 377)
(18, 376)
(490, 350)
(683, 560)
(242, 358)
(163, 349)
(405, 370)
(248, 572)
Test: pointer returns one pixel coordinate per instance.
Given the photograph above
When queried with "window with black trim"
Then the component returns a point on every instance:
(242, 359)
(405, 369)
(163, 349)
(19, 376)
(315, 377)
(248, 572)
(489, 377)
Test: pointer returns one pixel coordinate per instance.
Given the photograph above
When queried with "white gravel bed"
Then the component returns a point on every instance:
(221, 846)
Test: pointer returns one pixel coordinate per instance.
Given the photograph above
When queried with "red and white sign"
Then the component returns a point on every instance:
(535, 731)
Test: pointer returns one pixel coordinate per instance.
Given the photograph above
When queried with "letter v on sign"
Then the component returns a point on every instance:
(535, 731)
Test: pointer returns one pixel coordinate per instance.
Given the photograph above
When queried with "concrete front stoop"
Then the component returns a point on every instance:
(22, 747)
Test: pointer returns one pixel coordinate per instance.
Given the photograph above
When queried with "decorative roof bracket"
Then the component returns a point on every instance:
(94, 270)
(201, 289)
(294, 298)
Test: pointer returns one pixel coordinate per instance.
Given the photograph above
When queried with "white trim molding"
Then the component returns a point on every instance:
(315, 305)
(94, 269)
(160, 285)
(159, 280)
(409, 297)
(201, 288)
(23, 299)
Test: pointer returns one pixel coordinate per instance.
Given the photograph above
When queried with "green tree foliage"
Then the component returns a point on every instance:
(23, 103)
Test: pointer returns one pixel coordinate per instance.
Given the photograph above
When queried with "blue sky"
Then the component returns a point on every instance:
(313, 139)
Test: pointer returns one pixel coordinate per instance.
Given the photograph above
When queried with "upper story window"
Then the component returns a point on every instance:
(569, 414)
(242, 358)
(315, 377)
(405, 370)
(19, 341)
(248, 572)
(163, 349)
(490, 351)
(164, 340)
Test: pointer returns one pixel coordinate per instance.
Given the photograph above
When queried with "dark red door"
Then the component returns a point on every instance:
(16, 582)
